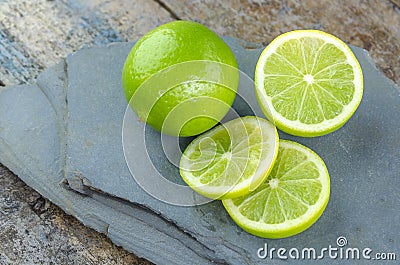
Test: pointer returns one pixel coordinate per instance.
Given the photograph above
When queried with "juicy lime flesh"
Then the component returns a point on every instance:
(309, 80)
(228, 156)
(289, 190)
(168, 45)
(233, 155)
(290, 200)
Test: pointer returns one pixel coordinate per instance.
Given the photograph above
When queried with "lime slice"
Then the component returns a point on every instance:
(291, 199)
(232, 159)
(308, 82)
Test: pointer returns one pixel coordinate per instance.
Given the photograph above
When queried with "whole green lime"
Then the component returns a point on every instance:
(181, 78)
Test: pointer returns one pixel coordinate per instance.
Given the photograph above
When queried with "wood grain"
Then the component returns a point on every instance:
(36, 34)
(396, 2)
(34, 231)
(373, 25)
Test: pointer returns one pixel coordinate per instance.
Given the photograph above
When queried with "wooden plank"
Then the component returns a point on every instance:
(33, 36)
(35, 231)
(396, 2)
(36, 34)
(373, 25)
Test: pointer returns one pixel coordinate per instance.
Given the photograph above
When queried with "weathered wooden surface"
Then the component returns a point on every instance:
(34, 231)
(36, 34)
(373, 25)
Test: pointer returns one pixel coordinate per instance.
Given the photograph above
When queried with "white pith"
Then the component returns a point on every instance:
(249, 184)
(296, 125)
(288, 225)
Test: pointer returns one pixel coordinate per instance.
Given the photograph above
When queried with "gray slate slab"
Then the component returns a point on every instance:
(83, 149)
(32, 145)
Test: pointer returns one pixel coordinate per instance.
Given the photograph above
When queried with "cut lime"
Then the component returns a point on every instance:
(308, 82)
(232, 159)
(291, 199)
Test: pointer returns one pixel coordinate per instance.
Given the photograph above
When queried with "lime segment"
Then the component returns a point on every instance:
(290, 200)
(232, 159)
(308, 82)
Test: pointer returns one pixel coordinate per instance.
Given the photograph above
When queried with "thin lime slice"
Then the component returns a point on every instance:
(232, 159)
(308, 82)
(291, 199)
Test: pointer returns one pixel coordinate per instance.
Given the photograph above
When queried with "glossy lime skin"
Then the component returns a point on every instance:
(168, 45)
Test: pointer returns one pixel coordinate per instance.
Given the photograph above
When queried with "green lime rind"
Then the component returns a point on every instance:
(232, 159)
(308, 82)
(180, 78)
(292, 198)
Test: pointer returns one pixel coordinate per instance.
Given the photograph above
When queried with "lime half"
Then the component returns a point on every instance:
(232, 159)
(308, 82)
(291, 199)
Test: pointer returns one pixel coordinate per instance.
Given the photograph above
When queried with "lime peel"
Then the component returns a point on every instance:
(315, 92)
(238, 157)
(205, 67)
(258, 199)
